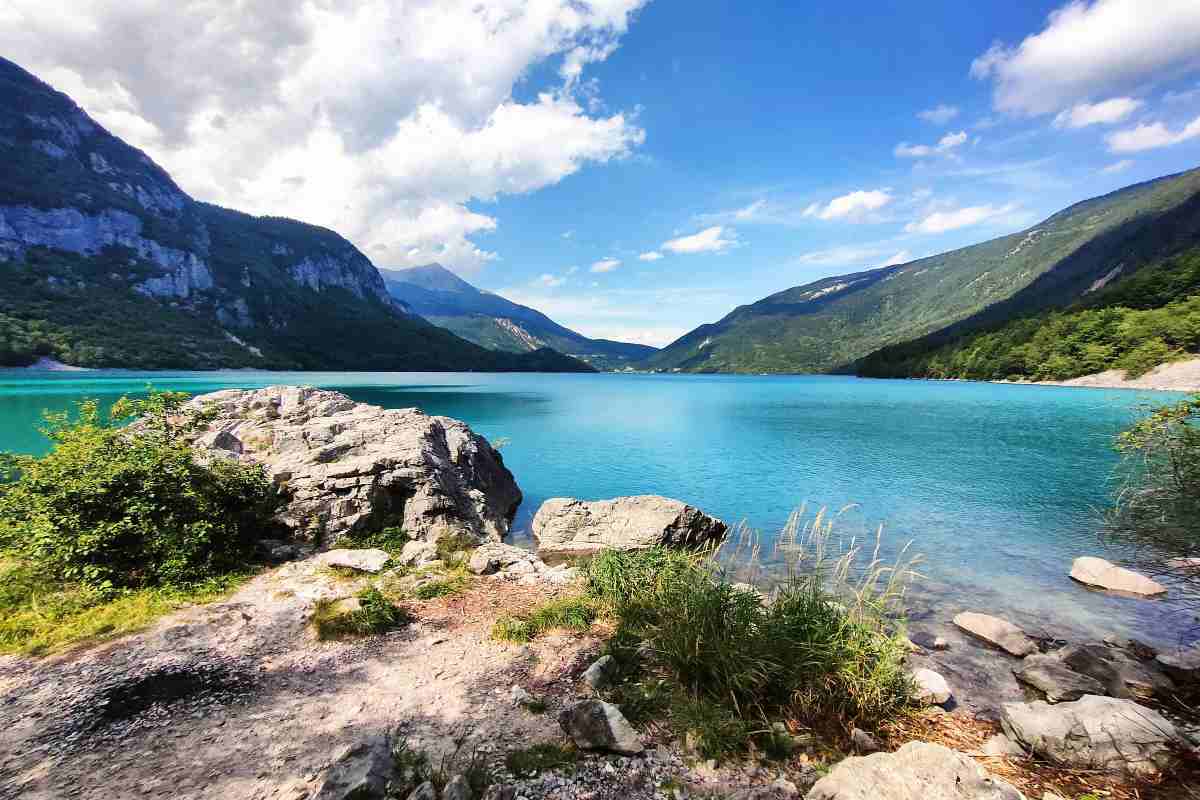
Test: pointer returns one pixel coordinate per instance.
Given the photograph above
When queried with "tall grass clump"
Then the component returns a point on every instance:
(825, 649)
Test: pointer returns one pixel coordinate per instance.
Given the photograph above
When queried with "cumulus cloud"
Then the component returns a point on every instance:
(854, 255)
(1104, 113)
(709, 240)
(853, 206)
(945, 145)
(369, 103)
(1151, 137)
(652, 255)
(751, 211)
(939, 114)
(1090, 49)
(902, 257)
(1119, 166)
(606, 265)
(942, 221)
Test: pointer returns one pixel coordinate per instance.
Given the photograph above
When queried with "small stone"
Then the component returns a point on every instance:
(596, 725)
(931, 687)
(863, 742)
(1000, 745)
(600, 673)
(785, 787)
(423, 792)
(941, 643)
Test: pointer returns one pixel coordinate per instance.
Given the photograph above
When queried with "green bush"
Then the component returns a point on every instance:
(740, 662)
(114, 507)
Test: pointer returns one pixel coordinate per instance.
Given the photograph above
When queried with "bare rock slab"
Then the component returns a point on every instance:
(917, 771)
(1056, 681)
(998, 632)
(350, 466)
(596, 725)
(1094, 732)
(566, 525)
(1106, 575)
(366, 560)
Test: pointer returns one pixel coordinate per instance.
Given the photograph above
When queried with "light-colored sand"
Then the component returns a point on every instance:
(1178, 376)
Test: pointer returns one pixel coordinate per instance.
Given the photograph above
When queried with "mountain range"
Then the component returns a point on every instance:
(831, 324)
(489, 320)
(106, 262)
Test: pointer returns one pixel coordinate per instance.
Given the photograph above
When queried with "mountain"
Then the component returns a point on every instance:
(445, 299)
(830, 324)
(106, 262)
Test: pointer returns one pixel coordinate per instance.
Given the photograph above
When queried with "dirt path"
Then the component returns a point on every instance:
(238, 700)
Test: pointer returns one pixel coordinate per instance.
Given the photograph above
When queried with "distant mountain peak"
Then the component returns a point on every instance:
(433, 277)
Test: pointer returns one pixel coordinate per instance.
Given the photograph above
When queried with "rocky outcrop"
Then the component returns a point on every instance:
(349, 466)
(361, 772)
(1093, 732)
(996, 631)
(596, 725)
(566, 525)
(513, 563)
(1105, 575)
(917, 771)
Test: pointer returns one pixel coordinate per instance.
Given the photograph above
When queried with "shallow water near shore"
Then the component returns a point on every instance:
(998, 487)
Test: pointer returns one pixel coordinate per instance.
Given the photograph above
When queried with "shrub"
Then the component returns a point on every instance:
(374, 614)
(1145, 357)
(125, 507)
(824, 650)
(570, 613)
(538, 758)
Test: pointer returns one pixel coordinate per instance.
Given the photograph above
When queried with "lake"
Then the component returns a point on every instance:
(999, 487)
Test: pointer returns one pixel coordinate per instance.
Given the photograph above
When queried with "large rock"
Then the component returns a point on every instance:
(1105, 575)
(349, 466)
(566, 525)
(1120, 675)
(1182, 665)
(361, 772)
(931, 687)
(596, 725)
(996, 631)
(1054, 679)
(369, 560)
(917, 771)
(1093, 732)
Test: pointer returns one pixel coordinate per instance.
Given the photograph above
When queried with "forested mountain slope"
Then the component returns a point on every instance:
(105, 262)
(830, 324)
(487, 319)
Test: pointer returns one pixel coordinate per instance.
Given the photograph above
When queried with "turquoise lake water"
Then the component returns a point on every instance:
(998, 487)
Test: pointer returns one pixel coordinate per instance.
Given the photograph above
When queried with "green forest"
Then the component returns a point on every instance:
(1146, 319)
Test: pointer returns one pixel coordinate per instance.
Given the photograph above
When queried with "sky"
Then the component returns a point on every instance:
(634, 168)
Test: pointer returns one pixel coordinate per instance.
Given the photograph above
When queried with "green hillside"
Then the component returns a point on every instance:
(1149, 318)
(106, 262)
(491, 321)
(830, 324)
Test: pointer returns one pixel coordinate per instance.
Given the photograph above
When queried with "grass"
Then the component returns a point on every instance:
(826, 651)
(390, 539)
(40, 615)
(539, 758)
(414, 767)
(570, 613)
(375, 614)
(442, 587)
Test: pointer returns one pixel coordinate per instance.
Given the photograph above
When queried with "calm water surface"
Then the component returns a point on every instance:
(999, 487)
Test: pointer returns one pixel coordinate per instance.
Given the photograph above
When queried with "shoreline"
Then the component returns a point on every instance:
(1174, 376)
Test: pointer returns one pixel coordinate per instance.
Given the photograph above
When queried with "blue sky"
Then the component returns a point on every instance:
(636, 169)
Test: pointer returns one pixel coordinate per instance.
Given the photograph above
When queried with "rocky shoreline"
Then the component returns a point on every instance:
(238, 698)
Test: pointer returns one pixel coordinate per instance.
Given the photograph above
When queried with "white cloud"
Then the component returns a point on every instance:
(853, 255)
(606, 265)
(653, 255)
(853, 206)
(1119, 166)
(942, 221)
(709, 240)
(1104, 113)
(1150, 137)
(548, 281)
(902, 257)
(939, 114)
(750, 211)
(370, 103)
(568, 234)
(1090, 49)
(945, 145)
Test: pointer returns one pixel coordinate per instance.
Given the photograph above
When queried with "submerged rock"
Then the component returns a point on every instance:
(1106, 575)
(917, 771)
(1093, 732)
(1055, 680)
(350, 466)
(566, 525)
(996, 631)
(596, 725)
